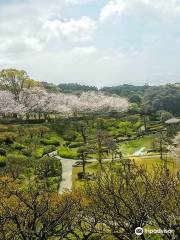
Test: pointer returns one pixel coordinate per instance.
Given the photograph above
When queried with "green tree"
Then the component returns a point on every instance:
(15, 80)
(49, 167)
(16, 164)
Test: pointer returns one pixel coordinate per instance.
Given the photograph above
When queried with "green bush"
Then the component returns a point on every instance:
(51, 141)
(70, 135)
(16, 164)
(7, 138)
(39, 152)
(67, 153)
(76, 144)
(18, 146)
(27, 152)
(49, 149)
(53, 183)
(2, 152)
(16, 156)
(2, 161)
(66, 144)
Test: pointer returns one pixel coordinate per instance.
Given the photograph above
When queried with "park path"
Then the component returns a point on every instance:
(67, 166)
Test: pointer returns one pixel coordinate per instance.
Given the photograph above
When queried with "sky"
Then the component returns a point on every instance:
(93, 42)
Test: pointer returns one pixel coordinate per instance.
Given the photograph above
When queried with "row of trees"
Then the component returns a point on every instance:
(21, 95)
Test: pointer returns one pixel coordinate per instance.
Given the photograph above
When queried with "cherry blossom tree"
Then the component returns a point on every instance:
(38, 101)
(99, 102)
(8, 105)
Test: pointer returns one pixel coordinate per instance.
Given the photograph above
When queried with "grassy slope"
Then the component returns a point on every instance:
(129, 147)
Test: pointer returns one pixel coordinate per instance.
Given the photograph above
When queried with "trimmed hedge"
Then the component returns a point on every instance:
(52, 141)
(76, 144)
(16, 157)
(67, 153)
(40, 152)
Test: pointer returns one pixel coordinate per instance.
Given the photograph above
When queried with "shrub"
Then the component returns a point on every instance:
(7, 138)
(66, 153)
(18, 146)
(66, 144)
(2, 161)
(39, 152)
(16, 164)
(52, 141)
(2, 152)
(27, 152)
(49, 149)
(76, 144)
(70, 136)
(16, 156)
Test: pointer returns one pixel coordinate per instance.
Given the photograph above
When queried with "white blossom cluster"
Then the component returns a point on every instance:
(37, 100)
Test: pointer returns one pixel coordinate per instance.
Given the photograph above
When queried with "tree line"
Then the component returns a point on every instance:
(20, 95)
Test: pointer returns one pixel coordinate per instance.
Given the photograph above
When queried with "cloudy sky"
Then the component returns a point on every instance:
(95, 42)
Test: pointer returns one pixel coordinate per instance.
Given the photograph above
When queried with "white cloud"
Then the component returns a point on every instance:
(113, 7)
(74, 30)
(55, 42)
(145, 8)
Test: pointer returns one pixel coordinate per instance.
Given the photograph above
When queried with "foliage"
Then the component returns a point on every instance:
(18, 146)
(2, 152)
(126, 90)
(14, 81)
(35, 213)
(129, 197)
(39, 152)
(48, 167)
(75, 144)
(16, 164)
(165, 97)
(2, 161)
(64, 152)
(7, 138)
(51, 141)
(70, 87)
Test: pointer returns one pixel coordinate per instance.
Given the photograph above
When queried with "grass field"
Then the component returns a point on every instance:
(129, 147)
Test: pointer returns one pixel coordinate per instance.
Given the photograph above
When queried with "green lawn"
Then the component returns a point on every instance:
(129, 147)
